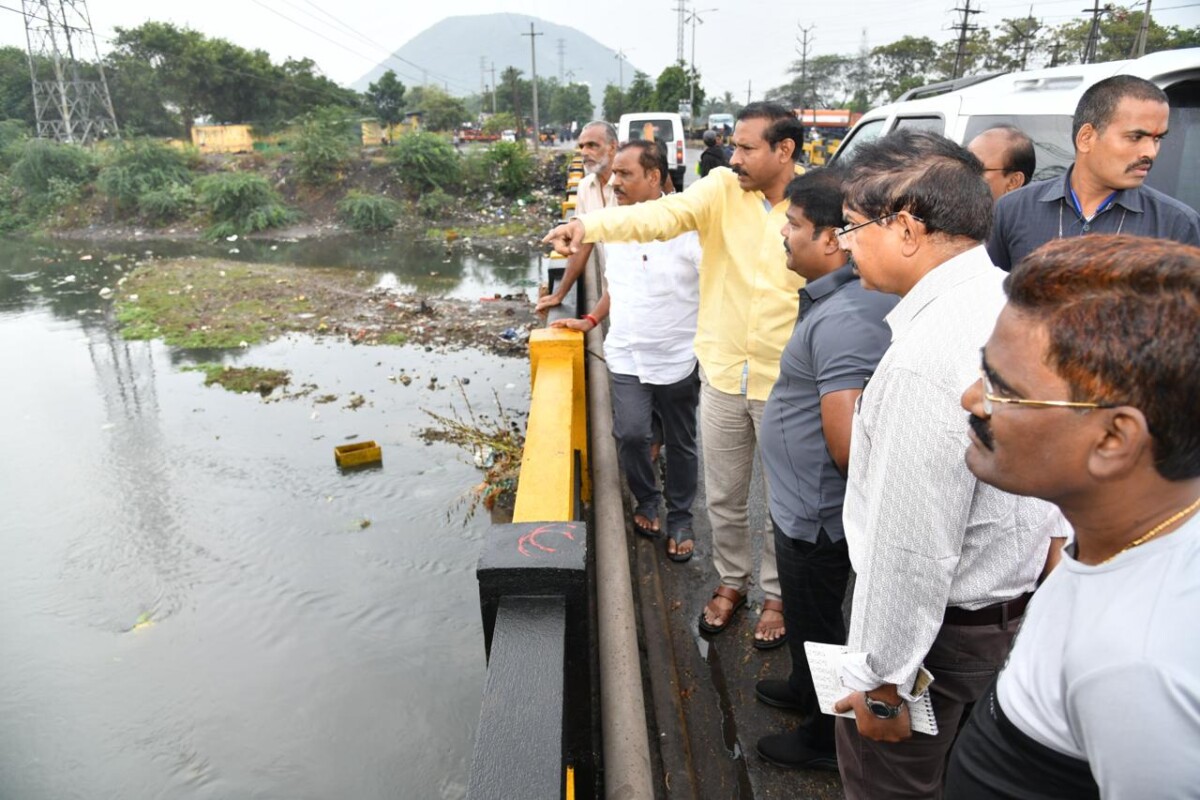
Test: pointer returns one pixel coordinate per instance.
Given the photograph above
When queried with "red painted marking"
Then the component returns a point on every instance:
(566, 529)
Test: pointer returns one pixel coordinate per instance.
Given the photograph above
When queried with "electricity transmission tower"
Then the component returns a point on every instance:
(68, 106)
(681, 8)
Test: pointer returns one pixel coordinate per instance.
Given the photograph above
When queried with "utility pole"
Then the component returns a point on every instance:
(682, 9)
(802, 50)
(482, 80)
(1139, 42)
(620, 57)
(562, 60)
(747, 92)
(1054, 49)
(1026, 36)
(1093, 40)
(963, 29)
(694, 18)
(493, 87)
(67, 108)
(537, 128)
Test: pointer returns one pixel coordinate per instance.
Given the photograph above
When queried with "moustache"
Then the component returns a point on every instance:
(737, 170)
(982, 431)
(1146, 163)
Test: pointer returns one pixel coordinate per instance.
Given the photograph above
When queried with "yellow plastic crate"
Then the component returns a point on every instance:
(357, 454)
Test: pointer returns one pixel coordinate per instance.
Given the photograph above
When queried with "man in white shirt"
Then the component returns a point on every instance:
(944, 564)
(1088, 399)
(597, 147)
(652, 295)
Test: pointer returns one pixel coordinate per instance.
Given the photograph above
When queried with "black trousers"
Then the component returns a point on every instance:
(812, 583)
(633, 403)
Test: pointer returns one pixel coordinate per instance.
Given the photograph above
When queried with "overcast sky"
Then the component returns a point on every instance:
(741, 42)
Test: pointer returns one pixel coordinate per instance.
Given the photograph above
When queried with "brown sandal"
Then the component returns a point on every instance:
(738, 599)
(763, 627)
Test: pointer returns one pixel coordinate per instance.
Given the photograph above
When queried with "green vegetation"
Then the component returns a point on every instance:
(46, 178)
(327, 138)
(242, 379)
(240, 202)
(425, 161)
(385, 97)
(435, 204)
(211, 303)
(512, 168)
(394, 338)
(369, 212)
(148, 177)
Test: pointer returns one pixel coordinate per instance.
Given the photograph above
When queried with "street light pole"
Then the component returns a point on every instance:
(694, 18)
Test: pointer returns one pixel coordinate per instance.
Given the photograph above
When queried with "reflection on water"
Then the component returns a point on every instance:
(190, 603)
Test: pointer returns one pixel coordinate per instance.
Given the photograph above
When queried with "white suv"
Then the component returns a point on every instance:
(663, 127)
(1042, 102)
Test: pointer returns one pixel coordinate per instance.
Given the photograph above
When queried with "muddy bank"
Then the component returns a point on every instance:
(215, 303)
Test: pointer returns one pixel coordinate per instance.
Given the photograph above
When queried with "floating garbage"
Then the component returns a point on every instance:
(232, 238)
(106, 292)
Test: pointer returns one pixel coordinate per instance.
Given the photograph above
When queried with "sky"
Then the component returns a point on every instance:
(742, 46)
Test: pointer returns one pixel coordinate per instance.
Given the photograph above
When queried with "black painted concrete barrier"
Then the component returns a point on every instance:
(536, 717)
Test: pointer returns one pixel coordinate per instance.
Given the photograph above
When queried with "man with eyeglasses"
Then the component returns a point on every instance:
(1008, 159)
(944, 564)
(1088, 400)
(1117, 128)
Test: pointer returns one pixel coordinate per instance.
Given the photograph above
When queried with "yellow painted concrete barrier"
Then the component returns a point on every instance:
(557, 427)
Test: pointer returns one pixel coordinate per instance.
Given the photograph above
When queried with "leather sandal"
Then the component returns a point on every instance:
(761, 627)
(738, 599)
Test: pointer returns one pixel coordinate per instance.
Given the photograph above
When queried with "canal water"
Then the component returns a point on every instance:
(194, 601)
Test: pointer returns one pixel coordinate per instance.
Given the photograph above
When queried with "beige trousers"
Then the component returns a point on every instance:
(729, 425)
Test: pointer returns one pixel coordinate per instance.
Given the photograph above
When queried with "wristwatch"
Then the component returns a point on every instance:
(881, 709)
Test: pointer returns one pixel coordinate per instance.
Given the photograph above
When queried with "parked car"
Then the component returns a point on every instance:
(660, 126)
(1041, 103)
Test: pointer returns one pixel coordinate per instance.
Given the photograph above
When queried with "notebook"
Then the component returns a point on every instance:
(825, 660)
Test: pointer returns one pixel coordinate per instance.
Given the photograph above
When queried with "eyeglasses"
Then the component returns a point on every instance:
(990, 398)
(851, 228)
(996, 169)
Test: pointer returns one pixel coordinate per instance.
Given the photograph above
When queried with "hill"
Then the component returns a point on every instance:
(449, 53)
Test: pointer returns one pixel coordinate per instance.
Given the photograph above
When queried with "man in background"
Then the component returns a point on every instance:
(1007, 156)
(598, 147)
(1118, 125)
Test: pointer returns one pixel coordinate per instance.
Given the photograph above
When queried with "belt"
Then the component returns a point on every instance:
(998, 614)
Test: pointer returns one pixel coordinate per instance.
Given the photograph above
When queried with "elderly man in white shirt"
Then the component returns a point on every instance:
(652, 296)
(945, 564)
(598, 149)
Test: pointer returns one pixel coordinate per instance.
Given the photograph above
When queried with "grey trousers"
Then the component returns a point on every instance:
(964, 660)
(633, 404)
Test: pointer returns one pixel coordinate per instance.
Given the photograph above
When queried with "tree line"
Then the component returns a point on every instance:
(881, 74)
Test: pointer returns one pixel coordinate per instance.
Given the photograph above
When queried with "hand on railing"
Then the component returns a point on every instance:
(584, 324)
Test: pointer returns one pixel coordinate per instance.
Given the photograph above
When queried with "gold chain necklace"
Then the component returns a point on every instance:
(1156, 530)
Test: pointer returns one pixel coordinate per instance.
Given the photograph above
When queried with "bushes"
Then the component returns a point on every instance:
(369, 212)
(324, 145)
(512, 168)
(46, 169)
(13, 133)
(434, 204)
(426, 161)
(148, 176)
(239, 202)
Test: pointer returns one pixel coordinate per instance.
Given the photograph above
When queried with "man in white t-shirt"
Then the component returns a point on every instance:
(1088, 400)
(652, 297)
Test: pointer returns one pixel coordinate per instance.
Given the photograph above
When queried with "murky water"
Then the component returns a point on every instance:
(192, 601)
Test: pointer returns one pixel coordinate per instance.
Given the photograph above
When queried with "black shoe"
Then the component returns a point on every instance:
(789, 751)
(777, 693)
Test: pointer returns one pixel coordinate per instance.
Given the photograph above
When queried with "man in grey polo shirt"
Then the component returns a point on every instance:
(1118, 126)
(837, 343)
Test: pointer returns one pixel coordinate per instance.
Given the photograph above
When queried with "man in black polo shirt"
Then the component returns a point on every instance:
(837, 343)
(1118, 126)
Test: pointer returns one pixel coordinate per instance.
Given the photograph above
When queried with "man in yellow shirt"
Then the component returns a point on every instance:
(748, 306)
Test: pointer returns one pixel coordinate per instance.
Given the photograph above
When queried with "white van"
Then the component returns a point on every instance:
(660, 126)
(1042, 102)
